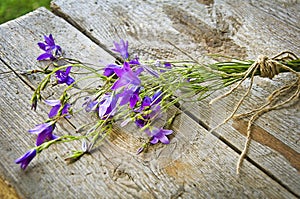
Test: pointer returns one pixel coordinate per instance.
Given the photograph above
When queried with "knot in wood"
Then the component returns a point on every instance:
(268, 67)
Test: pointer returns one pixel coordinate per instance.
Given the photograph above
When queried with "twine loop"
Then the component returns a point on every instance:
(267, 67)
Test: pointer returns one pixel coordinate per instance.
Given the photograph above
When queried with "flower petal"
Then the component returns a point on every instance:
(39, 128)
(44, 56)
(108, 72)
(53, 112)
(69, 81)
(157, 97)
(125, 98)
(154, 140)
(41, 138)
(167, 132)
(164, 140)
(53, 137)
(133, 100)
(52, 102)
(68, 69)
(65, 109)
(119, 83)
(42, 46)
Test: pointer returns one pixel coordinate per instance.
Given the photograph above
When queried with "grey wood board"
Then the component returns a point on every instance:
(243, 29)
(110, 171)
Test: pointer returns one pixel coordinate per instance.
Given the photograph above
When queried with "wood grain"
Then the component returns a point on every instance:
(240, 29)
(187, 168)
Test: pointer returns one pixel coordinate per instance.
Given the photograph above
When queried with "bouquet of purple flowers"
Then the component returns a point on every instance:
(133, 91)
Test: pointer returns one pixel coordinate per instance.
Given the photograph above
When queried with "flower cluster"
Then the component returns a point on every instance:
(44, 131)
(134, 91)
(124, 91)
(60, 108)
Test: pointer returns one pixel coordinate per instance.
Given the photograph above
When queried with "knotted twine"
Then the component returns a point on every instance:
(268, 67)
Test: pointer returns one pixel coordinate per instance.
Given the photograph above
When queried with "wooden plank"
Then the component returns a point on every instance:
(233, 28)
(188, 167)
(242, 29)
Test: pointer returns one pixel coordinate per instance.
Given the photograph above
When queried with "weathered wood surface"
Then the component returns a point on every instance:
(196, 164)
(243, 29)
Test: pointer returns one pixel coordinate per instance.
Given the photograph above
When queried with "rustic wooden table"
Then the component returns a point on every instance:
(196, 164)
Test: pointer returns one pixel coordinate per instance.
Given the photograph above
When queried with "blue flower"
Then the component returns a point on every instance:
(140, 122)
(56, 105)
(26, 158)
(130, 95)
(126, 77)
(155, 99)
(122, 48)
(90, 104)
(135, 61)
(107, 105)
(159, 134)
(109, 70)
(166, 65)
(63, 76)
(44, 132)
(154, 113)
(52, 51)
(151, 104)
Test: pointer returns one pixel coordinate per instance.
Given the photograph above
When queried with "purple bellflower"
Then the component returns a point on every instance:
(56, 105)
(126, 77)
(155, 112)
(44, 132)
(159, 134)
(107, 106)
(141, 122)
(167, 65)
(26, 158)
(90, 104)
(52, 51)
(109, 70)
(149, 104)
(122, 48)
(135, 61)
(156, 98)
(130, 95)
(147, 101)
(63, 76)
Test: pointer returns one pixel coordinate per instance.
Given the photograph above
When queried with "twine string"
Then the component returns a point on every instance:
(268, 67)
